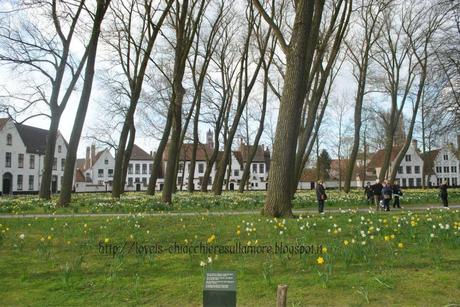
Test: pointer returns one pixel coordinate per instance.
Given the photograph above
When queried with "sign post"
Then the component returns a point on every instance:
(219, 289)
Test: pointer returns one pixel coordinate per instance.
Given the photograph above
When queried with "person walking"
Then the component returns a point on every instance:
(443, 193)
(396, 194)
(377, 191)
(386, 193)
(320, 195)
(369, 194)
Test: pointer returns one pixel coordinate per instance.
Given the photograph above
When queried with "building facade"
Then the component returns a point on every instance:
(94, 173)
(441, 165)
(22, 152)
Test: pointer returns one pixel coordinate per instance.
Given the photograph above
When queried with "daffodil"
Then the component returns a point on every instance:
(320, 260)
(400, 245)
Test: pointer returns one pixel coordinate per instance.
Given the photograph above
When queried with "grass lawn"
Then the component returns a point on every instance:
(396, 258)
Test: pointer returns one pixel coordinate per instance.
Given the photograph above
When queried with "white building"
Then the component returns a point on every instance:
(22, 152)
(258, 175)
(442, 165)
(95, 172)
(410, 170)
(139, 170)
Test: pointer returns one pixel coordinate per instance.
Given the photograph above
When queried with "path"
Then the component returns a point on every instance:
(214, 213)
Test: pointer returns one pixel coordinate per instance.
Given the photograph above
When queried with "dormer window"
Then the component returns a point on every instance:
(59, 148)
(9, 139)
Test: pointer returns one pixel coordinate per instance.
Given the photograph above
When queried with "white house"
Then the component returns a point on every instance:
(258, 171)
(22, 152)
(139, 170)
(95, 172)
(442, 165)
(410, 170)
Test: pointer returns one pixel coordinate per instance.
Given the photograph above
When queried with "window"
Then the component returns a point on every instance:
(446, 169)
(408, 170)
(144, 168)
(106, 161)
(200, 168)
(137, 180)
(31, 182)
(445, 157)
(110, 172)
(32, 162)
(439, 181)
(400, 170)
(453, 169)
(20, 160)
(130, 181)
(254, 168)
(261, 179)
(404, 182)
(411, 182)
(151, 168)
(137, 168)
(261, 168)
(454, 181)
(179, 180)
(55, 164)
(236, 173)
(88, 177)
(438, 169)
(408, 158)
(130, 168)
(100, 172)
(418, 182)
(144, 181)
(62, 164)
(9, 139)
(8, 159)
(417, 169)
(59, 148)
(19, 182)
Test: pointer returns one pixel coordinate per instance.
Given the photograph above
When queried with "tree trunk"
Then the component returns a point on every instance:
(66, 189)
(45, 191)
(127, 156)
(282, 170)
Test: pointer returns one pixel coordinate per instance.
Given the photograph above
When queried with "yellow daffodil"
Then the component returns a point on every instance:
(320, 260)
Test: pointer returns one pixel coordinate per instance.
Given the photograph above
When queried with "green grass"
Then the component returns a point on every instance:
(202, 202)
(68, 268)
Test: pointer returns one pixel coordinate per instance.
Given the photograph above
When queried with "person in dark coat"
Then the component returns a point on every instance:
(369, 193)
(443, 193)
(320, 195)
(386, 194)
(396, 194)
(377, 191)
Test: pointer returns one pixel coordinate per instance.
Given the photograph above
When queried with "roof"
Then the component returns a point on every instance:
(139, 154)
(79, 176)
(203, 152)
(308, 175)
(34, 138)
(428, 161)
(246, 150)
(377, 158)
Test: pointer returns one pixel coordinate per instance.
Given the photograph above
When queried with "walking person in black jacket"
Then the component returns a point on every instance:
(443, 193)
(396, 194)
(386, 194)
(377, 190)
(320, 195)
(369, 193)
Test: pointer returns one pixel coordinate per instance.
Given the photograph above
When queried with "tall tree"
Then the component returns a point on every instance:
(187, 18)
(69, 169)
(135, 29)
(367, 28)
(29, 47)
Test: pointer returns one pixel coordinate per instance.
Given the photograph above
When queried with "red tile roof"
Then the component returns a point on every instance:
(139, 154)
(377, 158)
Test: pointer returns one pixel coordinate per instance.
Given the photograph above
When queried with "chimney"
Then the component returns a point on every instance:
(93, 154)
(414, 143)
(87, 161)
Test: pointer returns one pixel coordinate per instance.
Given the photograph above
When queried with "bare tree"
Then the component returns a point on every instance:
(32, 50)
(66, 189)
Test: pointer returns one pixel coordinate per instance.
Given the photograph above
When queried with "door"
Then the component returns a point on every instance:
(7, 183)
(138, 187)
(232, 186)
(54, 184)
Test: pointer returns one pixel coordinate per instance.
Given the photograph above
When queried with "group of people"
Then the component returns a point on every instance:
(379, 194)
(382, 194)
